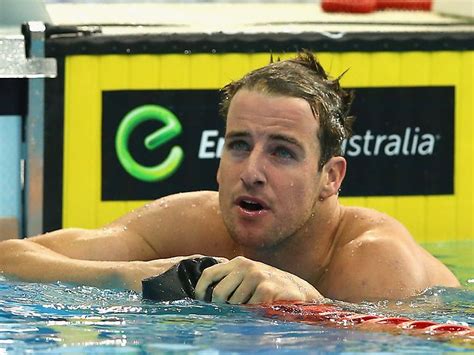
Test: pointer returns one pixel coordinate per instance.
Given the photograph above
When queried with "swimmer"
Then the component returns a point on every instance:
(275, 222)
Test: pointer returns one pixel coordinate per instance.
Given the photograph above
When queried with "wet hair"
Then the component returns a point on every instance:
(303, 77)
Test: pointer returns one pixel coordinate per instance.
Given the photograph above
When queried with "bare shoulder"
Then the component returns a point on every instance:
(357, 221)
(181, 224)
(175, 208)
(377, 258)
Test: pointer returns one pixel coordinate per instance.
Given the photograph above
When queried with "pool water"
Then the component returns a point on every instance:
(59, 318)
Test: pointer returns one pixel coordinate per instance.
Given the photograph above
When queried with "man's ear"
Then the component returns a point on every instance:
(333, 174)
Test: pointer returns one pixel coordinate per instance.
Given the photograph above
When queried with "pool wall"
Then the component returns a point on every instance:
(416, 89)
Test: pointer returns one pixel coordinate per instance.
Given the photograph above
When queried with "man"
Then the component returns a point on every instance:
(276, 222)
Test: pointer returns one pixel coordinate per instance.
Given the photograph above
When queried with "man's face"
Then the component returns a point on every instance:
(268, 176)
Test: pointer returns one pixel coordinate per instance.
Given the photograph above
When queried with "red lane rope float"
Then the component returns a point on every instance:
(330, 315)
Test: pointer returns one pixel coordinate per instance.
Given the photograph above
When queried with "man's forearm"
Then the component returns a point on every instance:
(29, 261)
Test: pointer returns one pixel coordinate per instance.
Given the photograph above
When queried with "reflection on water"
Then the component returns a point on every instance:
(59, 318)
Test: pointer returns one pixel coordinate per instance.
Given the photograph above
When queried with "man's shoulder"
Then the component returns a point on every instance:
(201, 196)
(376, 258)
(197, 204)
(187, 207)
(360, 224)
(370, 235)
(184, 224)
(364, 213)
(186, 203)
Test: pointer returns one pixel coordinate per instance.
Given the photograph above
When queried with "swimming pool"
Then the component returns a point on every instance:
(59, 318)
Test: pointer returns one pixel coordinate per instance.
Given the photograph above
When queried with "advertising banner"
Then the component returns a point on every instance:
(394, 132)
(136, 127)
(186, 160)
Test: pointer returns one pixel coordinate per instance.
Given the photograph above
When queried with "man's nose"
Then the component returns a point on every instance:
(254, 170)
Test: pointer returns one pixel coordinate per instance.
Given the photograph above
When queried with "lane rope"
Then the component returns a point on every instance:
(334, 316)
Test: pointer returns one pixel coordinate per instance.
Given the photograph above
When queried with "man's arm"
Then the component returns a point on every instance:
(124, 252)
(111, 243)
(33, 262)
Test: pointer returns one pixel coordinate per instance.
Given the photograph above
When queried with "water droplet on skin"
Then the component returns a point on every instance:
(193, 205)
(125, 228)
(356, 216)
(292, 184)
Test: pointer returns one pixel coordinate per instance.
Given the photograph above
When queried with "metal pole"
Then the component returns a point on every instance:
(15, 67)
(34, 162)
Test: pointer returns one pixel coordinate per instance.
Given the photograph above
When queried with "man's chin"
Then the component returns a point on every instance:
(255, 241)
(250, 235)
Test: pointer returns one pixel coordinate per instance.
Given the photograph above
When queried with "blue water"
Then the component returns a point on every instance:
(59, 318)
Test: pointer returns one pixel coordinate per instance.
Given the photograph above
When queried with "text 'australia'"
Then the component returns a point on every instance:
(410, 142)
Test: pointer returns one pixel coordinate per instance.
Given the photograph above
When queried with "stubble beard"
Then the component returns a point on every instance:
(273, 240)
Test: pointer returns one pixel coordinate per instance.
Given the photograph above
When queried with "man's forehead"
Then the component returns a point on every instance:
(252, 99)
(271, 136)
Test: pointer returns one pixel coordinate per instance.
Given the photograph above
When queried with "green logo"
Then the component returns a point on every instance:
(171, 129)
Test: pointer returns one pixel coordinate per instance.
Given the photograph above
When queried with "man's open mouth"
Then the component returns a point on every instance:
(250, 205)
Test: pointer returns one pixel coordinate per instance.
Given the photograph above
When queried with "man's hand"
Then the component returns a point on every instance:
(242, 280)
(130, 274)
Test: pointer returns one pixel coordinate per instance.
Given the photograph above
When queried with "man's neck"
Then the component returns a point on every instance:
(308, 252)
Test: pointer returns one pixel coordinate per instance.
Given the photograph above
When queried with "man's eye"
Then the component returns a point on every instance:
(284, 153)
(240, 146)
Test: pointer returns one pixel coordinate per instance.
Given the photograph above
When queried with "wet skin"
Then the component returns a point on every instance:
(269, 182)
(282, 210)
(269, 189)
(276, 222)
